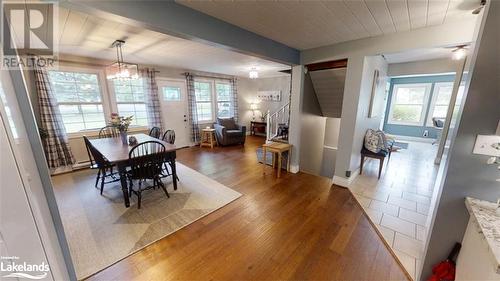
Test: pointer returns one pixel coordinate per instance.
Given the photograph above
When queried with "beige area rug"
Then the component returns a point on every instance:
(101, 231)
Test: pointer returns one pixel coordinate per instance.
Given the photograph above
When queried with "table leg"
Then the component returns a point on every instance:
(122, 169)
(274, 160)
(264, 160)
(174, 173)
(279, 164)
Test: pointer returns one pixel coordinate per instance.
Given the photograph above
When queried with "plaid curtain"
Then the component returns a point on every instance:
(152, 99)
(234, 90)
(54, 137)
(193, 115)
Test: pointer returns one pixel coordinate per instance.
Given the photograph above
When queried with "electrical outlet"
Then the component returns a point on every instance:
(426, 133)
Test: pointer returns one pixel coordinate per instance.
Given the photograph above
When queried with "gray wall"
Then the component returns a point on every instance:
(468, 174)
(313, 130)
(435, 66)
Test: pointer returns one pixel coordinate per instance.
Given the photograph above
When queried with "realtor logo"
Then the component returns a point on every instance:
(11, 268)
(28, 29)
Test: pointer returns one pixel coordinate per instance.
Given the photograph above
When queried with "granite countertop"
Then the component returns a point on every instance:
(488, 220)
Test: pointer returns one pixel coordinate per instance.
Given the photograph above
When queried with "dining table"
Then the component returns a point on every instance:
(117, 153)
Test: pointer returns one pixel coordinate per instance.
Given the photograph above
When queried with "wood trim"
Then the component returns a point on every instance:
(327, 65)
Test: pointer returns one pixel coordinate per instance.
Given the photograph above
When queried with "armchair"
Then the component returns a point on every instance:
(228, 132)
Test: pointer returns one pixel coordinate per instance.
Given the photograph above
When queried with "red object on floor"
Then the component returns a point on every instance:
(442, 271)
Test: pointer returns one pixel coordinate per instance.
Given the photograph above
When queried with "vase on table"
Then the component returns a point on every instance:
(123, 136)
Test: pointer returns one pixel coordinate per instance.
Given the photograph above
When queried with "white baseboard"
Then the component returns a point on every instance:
(345, 182)
(294, 169)
(417, 139)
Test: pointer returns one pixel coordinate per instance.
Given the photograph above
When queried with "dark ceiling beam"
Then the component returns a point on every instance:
(177, 20)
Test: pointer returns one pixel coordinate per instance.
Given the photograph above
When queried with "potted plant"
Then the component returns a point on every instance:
(121, 123)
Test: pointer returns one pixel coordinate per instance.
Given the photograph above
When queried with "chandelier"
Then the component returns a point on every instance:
(121, 69)
(253, 74)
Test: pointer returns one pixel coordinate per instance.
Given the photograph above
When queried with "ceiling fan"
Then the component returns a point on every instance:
(478, 9)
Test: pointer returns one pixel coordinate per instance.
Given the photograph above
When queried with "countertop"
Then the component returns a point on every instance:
(488, 220)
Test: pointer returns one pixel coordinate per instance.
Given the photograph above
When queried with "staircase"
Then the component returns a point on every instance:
(277, 124)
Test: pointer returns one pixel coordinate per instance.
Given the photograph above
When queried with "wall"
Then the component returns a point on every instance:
(247, 93)
(409, 130)
(355, 51)
(424, 67)
(313, 131)
(467, 174)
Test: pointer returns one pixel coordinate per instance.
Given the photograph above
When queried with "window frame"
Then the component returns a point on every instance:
(102, 83)
(214, 100)
(425, 103)
(433, 102)
(231, 101)
(114, 104)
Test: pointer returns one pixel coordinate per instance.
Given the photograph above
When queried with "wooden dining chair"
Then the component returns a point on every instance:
(155, 132)
(168, 137)
(108, 132)
(105, 171)
(146, 161)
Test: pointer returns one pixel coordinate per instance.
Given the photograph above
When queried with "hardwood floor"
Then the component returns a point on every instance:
(293, 228)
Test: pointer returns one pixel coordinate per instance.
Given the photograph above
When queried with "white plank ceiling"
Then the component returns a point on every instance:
(311, 24)
(84, 35)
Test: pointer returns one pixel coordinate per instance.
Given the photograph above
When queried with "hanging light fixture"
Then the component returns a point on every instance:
(121, 69)
(253, 74)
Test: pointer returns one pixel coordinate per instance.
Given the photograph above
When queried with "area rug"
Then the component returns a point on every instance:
(401, 145)
(101, 231)
(269, 157)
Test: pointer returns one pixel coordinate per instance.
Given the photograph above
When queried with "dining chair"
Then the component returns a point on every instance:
(168, 137)
(105, 169)
(146, 161)
(108, 132)
(155, 132)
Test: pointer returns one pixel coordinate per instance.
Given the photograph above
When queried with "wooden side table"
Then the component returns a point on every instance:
(257, 127)
(208, 138)
(277, 148)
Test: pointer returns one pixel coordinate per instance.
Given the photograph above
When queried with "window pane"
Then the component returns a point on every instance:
(407, 113)
(79, 97)
(440, 111)
(410, 95)
(131, 98)
(202, 91)
(224, 109)
(171, 93)
(223, 92)
(204, 111)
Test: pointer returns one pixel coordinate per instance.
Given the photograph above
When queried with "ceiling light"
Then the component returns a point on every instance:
(121, 69)
(253, 74)
(459, 53)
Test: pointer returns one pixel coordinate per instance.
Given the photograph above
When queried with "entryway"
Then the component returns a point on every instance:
(173, 100)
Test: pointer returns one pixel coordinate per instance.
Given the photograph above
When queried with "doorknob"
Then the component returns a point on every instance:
(185, 120)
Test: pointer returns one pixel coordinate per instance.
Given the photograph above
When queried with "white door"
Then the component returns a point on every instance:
(173, 99)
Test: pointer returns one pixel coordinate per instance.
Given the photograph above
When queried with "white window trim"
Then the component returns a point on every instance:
(214, 100)
(428, 87)
(105, 99)
(224, 82)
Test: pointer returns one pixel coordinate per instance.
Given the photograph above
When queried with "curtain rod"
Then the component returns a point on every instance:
(228, 77)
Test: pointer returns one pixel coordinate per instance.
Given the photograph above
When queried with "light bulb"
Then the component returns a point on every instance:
(459, 53)
(253, 74)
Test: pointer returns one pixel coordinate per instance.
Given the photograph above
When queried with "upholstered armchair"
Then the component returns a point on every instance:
(228, 132)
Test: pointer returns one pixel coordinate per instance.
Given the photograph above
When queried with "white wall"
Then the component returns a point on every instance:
(436, 66)
(248, 91)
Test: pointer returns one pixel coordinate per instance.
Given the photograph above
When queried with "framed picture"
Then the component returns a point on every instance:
(269, 95)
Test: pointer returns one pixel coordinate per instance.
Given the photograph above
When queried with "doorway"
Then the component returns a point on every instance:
(173, 102)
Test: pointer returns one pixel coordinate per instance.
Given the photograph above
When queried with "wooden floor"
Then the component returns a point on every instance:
(294, 228)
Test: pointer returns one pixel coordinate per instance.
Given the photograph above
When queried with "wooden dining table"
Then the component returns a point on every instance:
(118, 153)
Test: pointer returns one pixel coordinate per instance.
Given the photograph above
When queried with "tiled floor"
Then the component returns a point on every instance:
(398, 204)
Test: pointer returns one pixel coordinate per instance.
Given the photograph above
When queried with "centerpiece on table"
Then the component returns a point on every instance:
(121, 123)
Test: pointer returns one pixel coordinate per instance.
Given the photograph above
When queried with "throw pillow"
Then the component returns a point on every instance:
(228, 123)
(372, 140)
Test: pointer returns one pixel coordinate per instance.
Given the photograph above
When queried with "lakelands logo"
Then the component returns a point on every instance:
(28, 34)
(11, 268)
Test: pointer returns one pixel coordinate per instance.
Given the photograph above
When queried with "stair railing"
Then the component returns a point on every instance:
(281, 116)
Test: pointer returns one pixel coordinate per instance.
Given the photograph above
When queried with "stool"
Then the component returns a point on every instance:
(208, 138)
(277, 148)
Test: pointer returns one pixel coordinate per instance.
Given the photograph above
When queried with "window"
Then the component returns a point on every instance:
(79, 99)
(171, 93)
(441, 96)
(203, 94)
(130, 100)
(408, 103)
(223, 99)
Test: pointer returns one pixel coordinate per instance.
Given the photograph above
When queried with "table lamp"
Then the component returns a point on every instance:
(253, 108)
